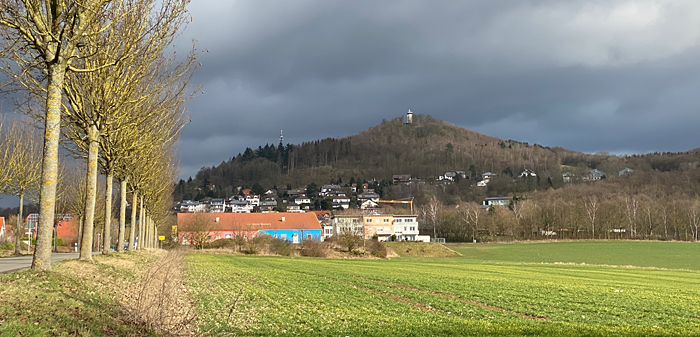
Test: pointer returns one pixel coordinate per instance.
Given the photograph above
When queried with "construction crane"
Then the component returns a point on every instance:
(410, 202)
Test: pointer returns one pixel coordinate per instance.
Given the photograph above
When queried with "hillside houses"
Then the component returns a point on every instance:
(367, 196)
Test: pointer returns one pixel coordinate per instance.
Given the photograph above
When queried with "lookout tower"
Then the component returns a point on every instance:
(409, 117)
(281, 138)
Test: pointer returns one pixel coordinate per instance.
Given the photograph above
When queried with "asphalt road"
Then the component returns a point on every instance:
(10, 264)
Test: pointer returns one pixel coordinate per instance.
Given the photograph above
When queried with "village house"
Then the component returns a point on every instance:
(329, 190)
(379, 225)
(567, 177)
(293, 227)
(527, 173)
(368, 195)
(496, 201)
(594, 174)
(401, 178)
(485, 179)
(239, 206)
(294, 208)
(449, 175)
(341, 202)
(192, 206)
(217, 205)
(268, 205)
(625, 172)
(252, 199)
(405, 227)
(296, 192)
(302, 199)
(348, 224)
(369, 205)
(66, 227)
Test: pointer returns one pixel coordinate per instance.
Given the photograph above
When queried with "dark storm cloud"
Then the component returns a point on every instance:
(615, 76)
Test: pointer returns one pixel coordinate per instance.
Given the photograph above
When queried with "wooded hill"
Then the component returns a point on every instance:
(425, 149)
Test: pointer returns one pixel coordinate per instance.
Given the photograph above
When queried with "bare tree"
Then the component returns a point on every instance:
(40, 45)
(108, 105)
(631, 208)
(25, 161)
(431, 212)
(470, 214)
(591, 204)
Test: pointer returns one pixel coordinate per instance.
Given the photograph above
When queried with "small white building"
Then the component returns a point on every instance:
(348, 224)
(302, 200)
(405, 227)
(341, 202)
(527, 173)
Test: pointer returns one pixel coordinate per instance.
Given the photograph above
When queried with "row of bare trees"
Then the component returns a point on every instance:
(572, 213)
(99, 77)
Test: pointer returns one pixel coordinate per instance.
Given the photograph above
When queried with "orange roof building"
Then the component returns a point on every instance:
(294, 227)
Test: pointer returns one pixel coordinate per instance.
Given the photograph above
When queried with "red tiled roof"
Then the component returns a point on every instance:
(252, 221)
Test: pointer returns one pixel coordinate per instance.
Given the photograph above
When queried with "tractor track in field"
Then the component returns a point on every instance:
(457, 298)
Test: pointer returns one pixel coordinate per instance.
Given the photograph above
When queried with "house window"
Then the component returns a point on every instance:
(308, 236)
(398, 220)
(413, 228)
(369, 220)
(386, 220)
(283, 236)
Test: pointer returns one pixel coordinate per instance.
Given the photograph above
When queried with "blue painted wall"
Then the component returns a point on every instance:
(289, 233)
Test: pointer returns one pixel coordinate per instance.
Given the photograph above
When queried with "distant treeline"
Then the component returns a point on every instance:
(648, 205)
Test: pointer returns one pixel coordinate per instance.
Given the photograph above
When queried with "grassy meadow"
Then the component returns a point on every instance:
(499, 289)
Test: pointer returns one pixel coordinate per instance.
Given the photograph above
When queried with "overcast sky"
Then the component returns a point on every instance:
(615, 76)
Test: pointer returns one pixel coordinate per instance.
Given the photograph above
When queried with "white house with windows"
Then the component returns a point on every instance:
(405, 227)
(300, 200)
(240, 206)
(217, 205)
(348, 224)
(189, 206)
(341, 202)
(252, 199)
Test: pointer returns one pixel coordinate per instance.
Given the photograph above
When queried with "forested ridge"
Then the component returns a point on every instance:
(425, 149)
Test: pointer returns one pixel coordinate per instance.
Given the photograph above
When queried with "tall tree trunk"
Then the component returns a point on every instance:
(154, 236)
(86, 242)
(20, 228)
(142, 229)
(49, 166)
(132, 229)
(145, 231)
(80, 230)
(122, 216)
(108, 215)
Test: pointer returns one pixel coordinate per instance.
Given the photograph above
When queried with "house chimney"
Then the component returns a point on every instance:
(282, 219)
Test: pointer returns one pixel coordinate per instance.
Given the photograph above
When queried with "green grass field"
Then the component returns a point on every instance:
(491, 290)
(671, 255)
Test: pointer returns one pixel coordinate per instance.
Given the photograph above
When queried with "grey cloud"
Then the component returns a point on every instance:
(616, 76)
